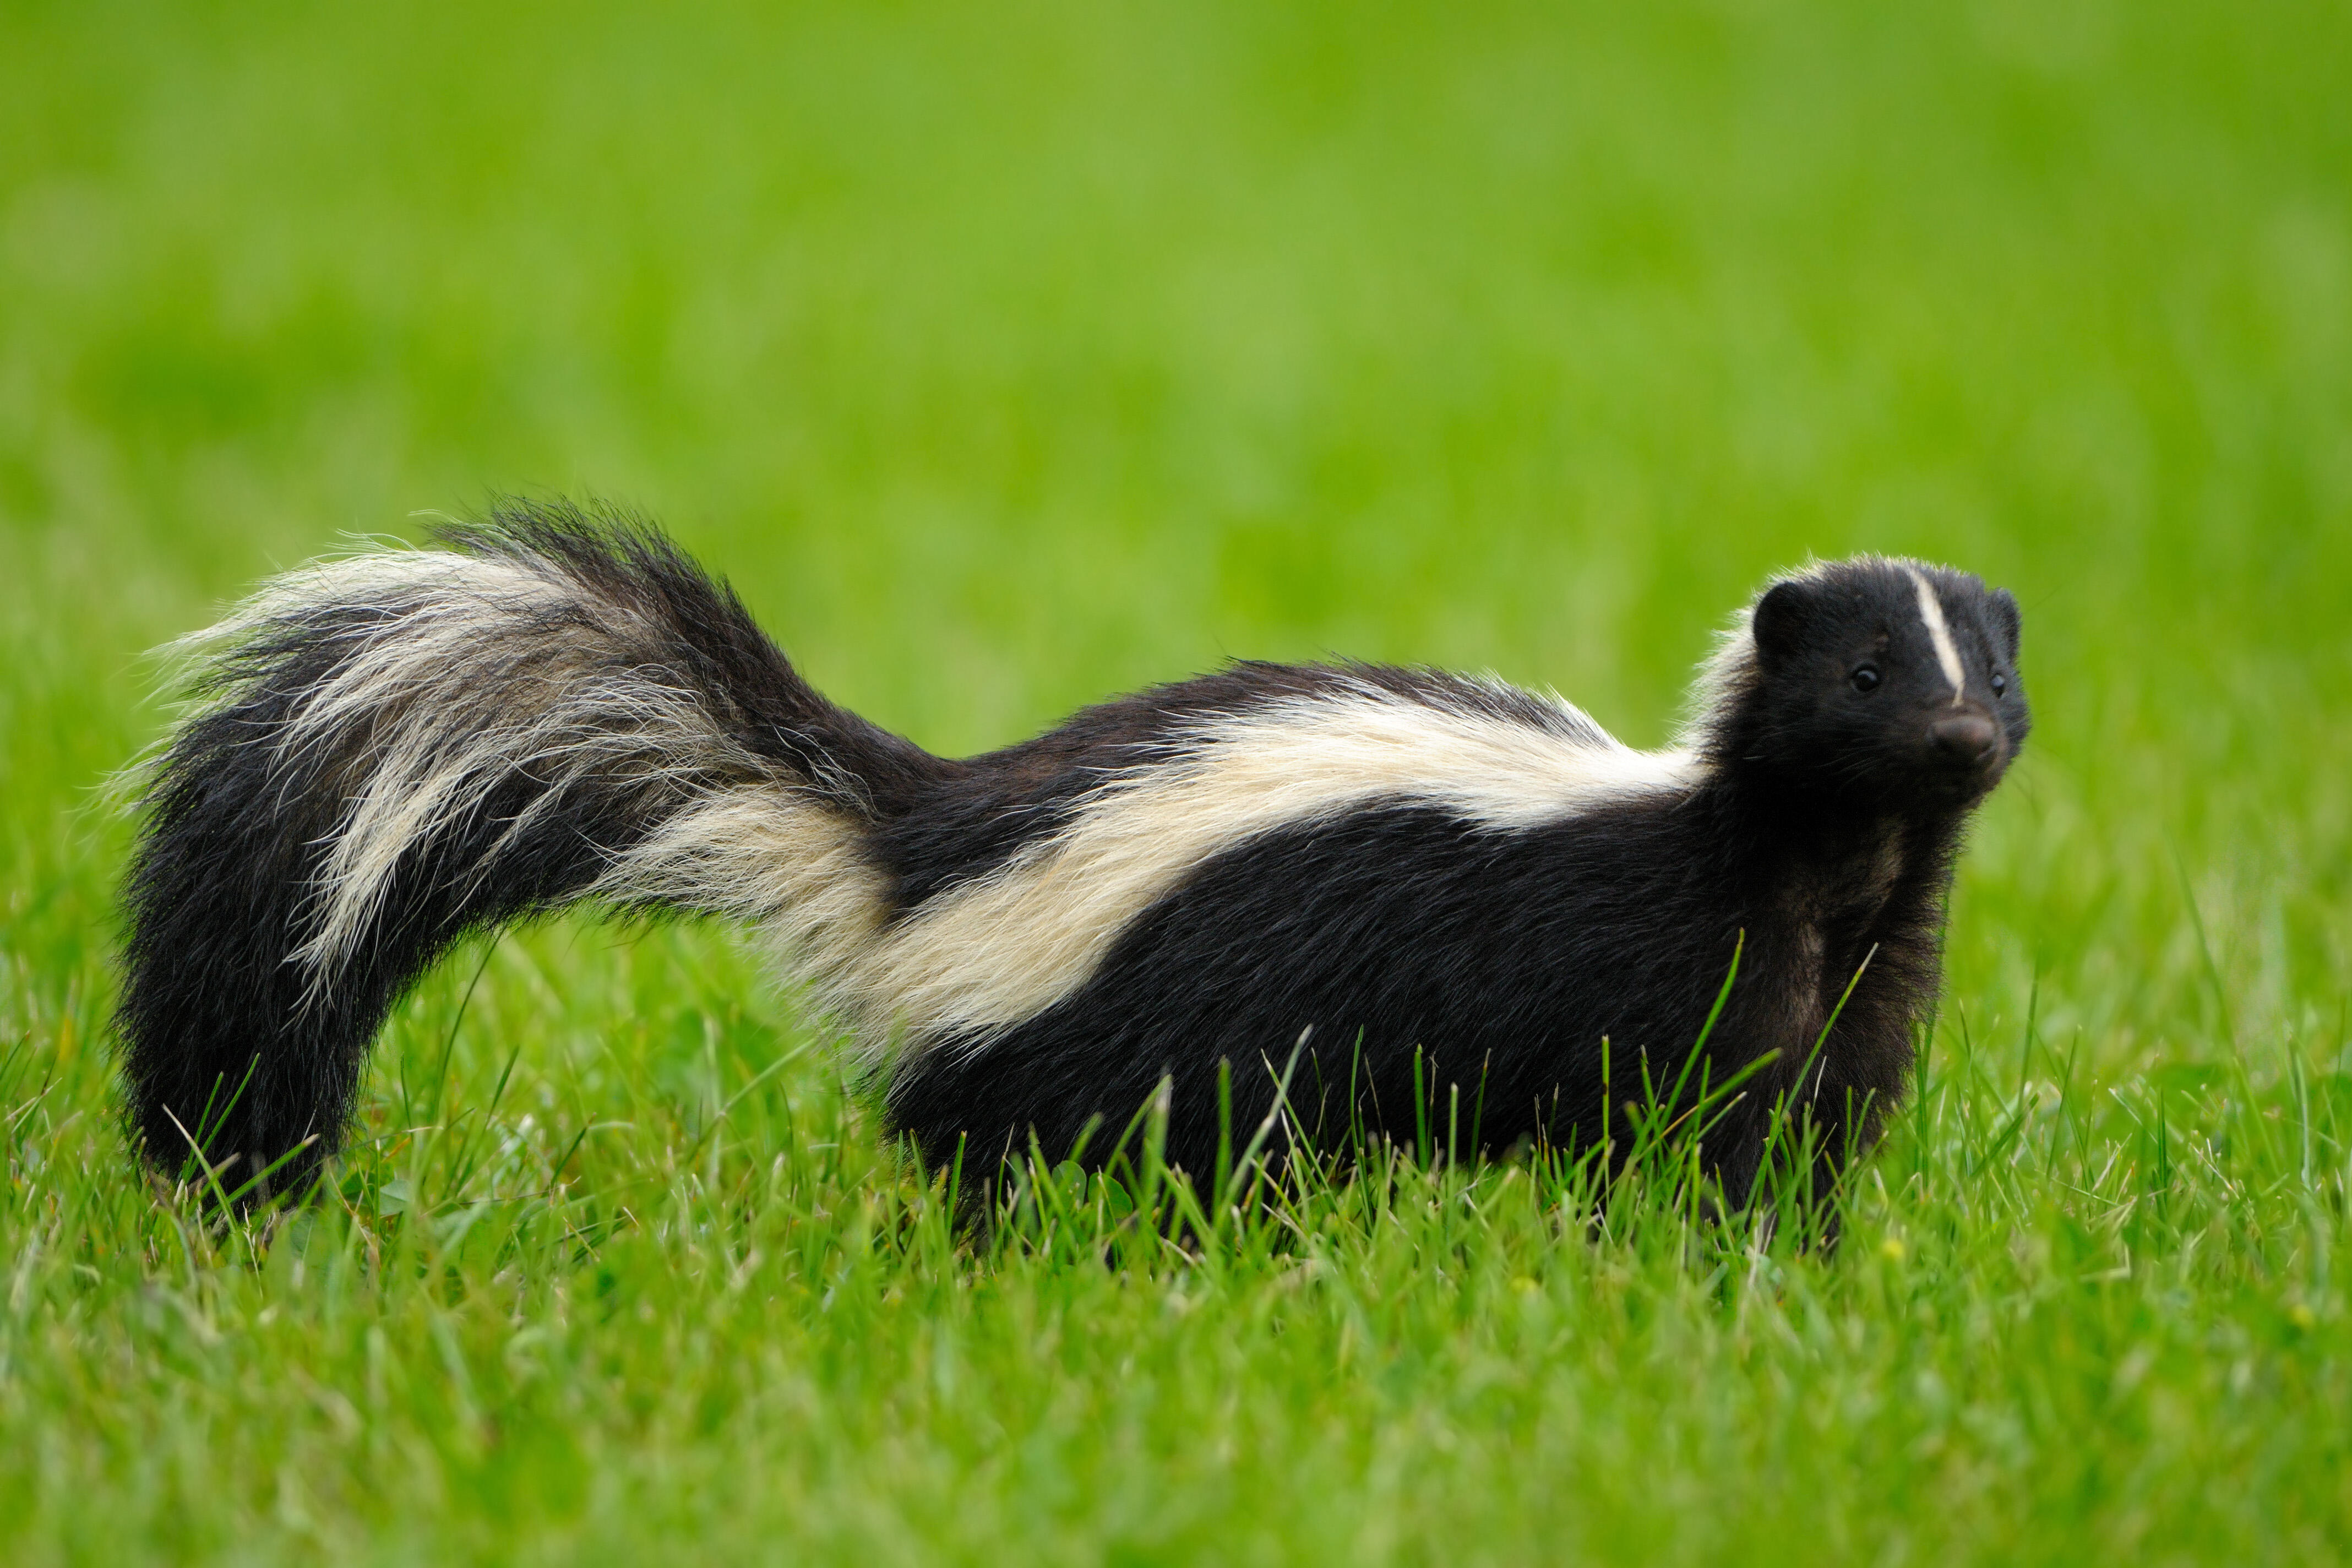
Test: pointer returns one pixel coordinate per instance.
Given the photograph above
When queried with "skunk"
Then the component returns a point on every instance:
(1369, 880)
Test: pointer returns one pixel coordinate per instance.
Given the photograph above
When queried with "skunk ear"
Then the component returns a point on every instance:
(2005, 618)
(1780, 620)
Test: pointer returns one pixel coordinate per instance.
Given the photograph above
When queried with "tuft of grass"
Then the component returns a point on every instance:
(1007, 360)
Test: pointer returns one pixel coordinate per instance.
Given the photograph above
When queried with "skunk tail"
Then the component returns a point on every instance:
(405, 746)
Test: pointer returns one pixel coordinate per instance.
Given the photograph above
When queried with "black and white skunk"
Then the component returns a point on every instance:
(1437, 881)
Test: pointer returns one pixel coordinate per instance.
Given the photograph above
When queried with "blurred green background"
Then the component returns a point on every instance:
(1008, 357)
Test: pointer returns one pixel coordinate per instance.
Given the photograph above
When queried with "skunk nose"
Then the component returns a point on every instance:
(1965, 742)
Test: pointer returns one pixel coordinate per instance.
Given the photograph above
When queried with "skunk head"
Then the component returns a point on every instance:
(1884, 683)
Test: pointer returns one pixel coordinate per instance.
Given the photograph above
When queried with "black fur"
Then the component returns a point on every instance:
(1820, 831)
(1820, 848)
(965, 826)
(222, 1037)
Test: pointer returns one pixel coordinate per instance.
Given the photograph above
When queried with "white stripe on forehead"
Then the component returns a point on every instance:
(1931, 611)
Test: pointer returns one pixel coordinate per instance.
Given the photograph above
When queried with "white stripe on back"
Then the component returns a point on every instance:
(991, 953)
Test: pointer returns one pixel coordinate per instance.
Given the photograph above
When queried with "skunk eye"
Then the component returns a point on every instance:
(1865, 678)
(1999, 683)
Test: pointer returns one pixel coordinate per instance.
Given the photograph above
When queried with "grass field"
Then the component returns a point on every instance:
(1009, 357)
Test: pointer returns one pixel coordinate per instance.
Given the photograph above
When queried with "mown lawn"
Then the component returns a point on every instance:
(1009, 357)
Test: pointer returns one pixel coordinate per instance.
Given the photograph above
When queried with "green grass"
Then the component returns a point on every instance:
(1007, 357)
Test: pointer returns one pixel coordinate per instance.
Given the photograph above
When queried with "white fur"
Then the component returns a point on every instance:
(466, 676)
(989, 954)
(770, 856)
(981, 957)
(1931, 613)
(986, 956)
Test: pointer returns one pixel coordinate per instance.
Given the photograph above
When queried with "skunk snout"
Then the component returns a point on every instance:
(1967, 741)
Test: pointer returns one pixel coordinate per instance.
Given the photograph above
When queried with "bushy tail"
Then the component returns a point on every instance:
(404, 746)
